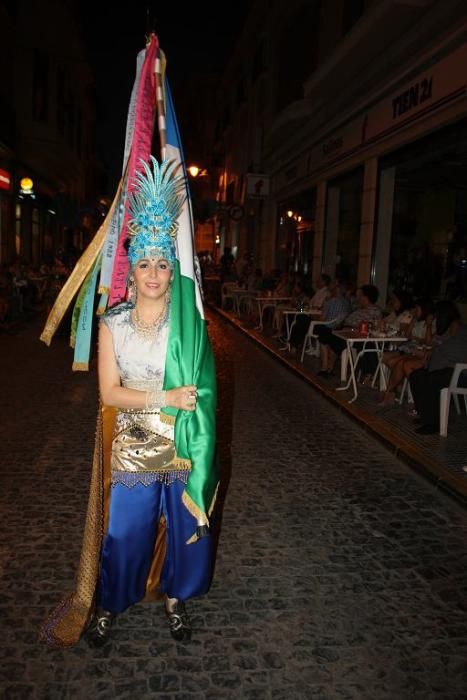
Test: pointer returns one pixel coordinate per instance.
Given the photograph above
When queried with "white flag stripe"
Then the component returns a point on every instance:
(185, 237)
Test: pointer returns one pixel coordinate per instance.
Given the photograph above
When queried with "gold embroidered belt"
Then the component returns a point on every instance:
(140, 446)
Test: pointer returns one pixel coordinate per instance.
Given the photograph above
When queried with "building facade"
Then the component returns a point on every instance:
(48, 92)
(360, 140)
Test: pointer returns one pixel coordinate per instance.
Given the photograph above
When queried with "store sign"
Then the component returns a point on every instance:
(414, 96)
(433, 90)
(257, 185)
(5, 180)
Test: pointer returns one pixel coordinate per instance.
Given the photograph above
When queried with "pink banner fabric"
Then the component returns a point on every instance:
(140, 149)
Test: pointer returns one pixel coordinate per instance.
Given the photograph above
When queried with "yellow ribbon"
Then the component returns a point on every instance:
(78, 275)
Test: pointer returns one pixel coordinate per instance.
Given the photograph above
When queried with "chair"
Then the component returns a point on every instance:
(454, 391)
(312, 340)
(405, 388)
(226, 287)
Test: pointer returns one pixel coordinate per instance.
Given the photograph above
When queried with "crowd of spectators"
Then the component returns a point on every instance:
(436, 336)
(26, 290)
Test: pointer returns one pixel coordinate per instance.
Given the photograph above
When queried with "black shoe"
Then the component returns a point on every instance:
(427, 429)
(179, 622)
(98, 632)
(323, 373)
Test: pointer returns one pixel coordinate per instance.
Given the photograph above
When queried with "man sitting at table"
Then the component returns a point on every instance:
(334, 308)
(331, 346)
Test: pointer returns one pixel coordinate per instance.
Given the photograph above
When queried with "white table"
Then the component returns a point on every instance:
(358, 342)
(264, 302)
(288, 313)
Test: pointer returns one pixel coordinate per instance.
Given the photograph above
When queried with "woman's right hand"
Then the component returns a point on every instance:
(183, 397)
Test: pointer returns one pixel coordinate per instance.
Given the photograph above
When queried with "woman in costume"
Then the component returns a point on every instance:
(154, 478)
(156, 538)
(147, 477)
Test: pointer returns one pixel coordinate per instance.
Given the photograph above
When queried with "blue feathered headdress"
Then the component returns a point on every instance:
(155, 206)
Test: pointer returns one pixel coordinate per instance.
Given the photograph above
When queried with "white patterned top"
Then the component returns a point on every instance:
(140, 361)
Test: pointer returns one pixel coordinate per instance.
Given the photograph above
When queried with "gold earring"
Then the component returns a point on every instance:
(132, 291)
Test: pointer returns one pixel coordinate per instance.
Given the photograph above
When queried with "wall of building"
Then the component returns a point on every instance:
(382, 79)
(47, 86)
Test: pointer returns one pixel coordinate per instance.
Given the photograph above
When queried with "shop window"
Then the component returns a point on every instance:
(40, 87)
(348, 236)
(352, 11)
(428, 243)
(295, 237)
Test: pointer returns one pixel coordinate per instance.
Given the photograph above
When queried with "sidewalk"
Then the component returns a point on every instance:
(442, 460)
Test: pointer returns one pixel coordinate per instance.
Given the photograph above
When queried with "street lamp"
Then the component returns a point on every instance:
(195, 171)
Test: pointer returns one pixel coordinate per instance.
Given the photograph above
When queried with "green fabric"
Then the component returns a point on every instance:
(190, 360)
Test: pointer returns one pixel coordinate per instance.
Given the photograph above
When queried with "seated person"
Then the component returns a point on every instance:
(331, 346)
(334, 308)
(322, 292)
(400, 312)
(411, 355)
(255, 281)
(294, 289)
(449, 347)
(283, 286)
(397, 322)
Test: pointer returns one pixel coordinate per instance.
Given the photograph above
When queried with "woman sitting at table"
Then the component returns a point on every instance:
(396, 322)
(411, 355)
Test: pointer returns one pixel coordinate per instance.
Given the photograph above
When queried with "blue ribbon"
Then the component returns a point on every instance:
(85, 322)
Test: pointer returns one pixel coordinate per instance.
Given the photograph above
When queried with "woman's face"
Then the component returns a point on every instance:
(418, 312)
(152, 277)
(396, 303)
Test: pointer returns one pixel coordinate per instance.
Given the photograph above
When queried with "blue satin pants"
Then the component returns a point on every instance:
(128, 547)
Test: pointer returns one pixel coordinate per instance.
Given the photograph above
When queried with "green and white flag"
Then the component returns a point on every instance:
(189, 354)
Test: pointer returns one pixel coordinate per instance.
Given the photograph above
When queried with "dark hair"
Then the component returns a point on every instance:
(370, 292)
(405, 299)
(126, 244)
(326, 279)
(427, 306)
(446, 312)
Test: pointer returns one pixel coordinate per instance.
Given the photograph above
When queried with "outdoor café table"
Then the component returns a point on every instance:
(288, 313)
(379, 343)
(264, 302)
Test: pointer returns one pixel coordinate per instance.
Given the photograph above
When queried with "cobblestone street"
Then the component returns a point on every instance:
(340, 572)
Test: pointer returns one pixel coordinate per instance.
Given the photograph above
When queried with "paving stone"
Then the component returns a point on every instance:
(339, 573)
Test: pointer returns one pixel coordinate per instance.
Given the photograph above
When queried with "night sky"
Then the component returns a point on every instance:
(190, 35)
